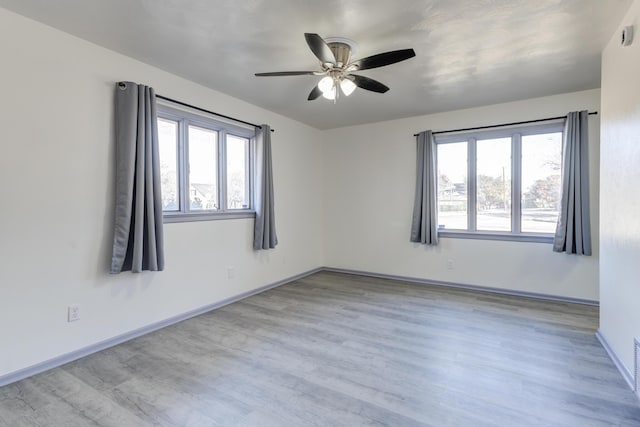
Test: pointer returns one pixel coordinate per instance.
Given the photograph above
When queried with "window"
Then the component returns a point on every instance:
(205, 166)
(502, 184)
(452, 186)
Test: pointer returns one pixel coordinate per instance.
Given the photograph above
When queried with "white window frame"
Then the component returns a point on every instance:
(471, 138)
(185, 119)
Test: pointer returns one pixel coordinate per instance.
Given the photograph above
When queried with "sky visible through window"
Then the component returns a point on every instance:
(543, 150)
(237, 187)
(203, 173)
(168, 145)
(541, 163)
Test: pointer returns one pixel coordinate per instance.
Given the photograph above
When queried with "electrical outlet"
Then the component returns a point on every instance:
(73, 313)
(231, 272)
(450, 264)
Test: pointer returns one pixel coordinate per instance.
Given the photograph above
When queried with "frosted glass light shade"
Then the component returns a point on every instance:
(326, 84)
(330, 94)
(347, 86)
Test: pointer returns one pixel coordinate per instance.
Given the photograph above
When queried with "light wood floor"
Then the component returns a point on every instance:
(343, 350)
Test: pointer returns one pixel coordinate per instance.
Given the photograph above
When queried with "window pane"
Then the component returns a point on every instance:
(237, 172)
(168, 152)
(494, 184)
(541, 159)
(203, 173)
(452, 186)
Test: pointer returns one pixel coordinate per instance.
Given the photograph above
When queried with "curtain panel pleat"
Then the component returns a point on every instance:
(573, 230)
(424, 225)
(138, 235)
(265, 226)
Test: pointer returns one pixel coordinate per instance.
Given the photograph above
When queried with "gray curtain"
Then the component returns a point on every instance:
(424, 227)
(138, 238)
(573, 232)
(264, 236)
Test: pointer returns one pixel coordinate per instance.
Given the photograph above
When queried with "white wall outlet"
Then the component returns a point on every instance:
(231, 272)
(73, 313)
(450, 264)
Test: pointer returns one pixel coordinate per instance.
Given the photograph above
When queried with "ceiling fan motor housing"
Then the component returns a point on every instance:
(342, 53)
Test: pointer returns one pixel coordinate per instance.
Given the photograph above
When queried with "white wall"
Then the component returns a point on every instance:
(56, 198)
(370, 182)
(56, 192)
(620, 193)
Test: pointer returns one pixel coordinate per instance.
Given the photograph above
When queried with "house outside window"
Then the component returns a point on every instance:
(500, 184)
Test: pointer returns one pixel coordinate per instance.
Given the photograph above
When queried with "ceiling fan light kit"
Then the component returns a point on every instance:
(337, 68)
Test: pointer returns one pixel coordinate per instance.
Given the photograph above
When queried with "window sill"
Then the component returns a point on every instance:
(206, 216)
(479, 235)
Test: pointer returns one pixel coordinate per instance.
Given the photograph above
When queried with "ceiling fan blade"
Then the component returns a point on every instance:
(382, 59)
(319, 48)
(315, 93)
(286, 73)
(369, 84)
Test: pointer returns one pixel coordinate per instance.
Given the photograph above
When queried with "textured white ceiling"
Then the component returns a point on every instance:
(468, 52)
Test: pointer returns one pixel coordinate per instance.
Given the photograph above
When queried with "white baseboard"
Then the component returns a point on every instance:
(119, 339)
(465, 286)
(616, 361)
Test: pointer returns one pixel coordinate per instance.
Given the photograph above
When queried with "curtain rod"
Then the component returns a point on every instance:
(504, 124)
(184, 104)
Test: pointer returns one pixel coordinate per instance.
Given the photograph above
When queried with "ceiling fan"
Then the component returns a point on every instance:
(337, 67)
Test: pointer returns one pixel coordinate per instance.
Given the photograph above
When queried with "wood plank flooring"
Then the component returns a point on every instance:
(343, 350)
